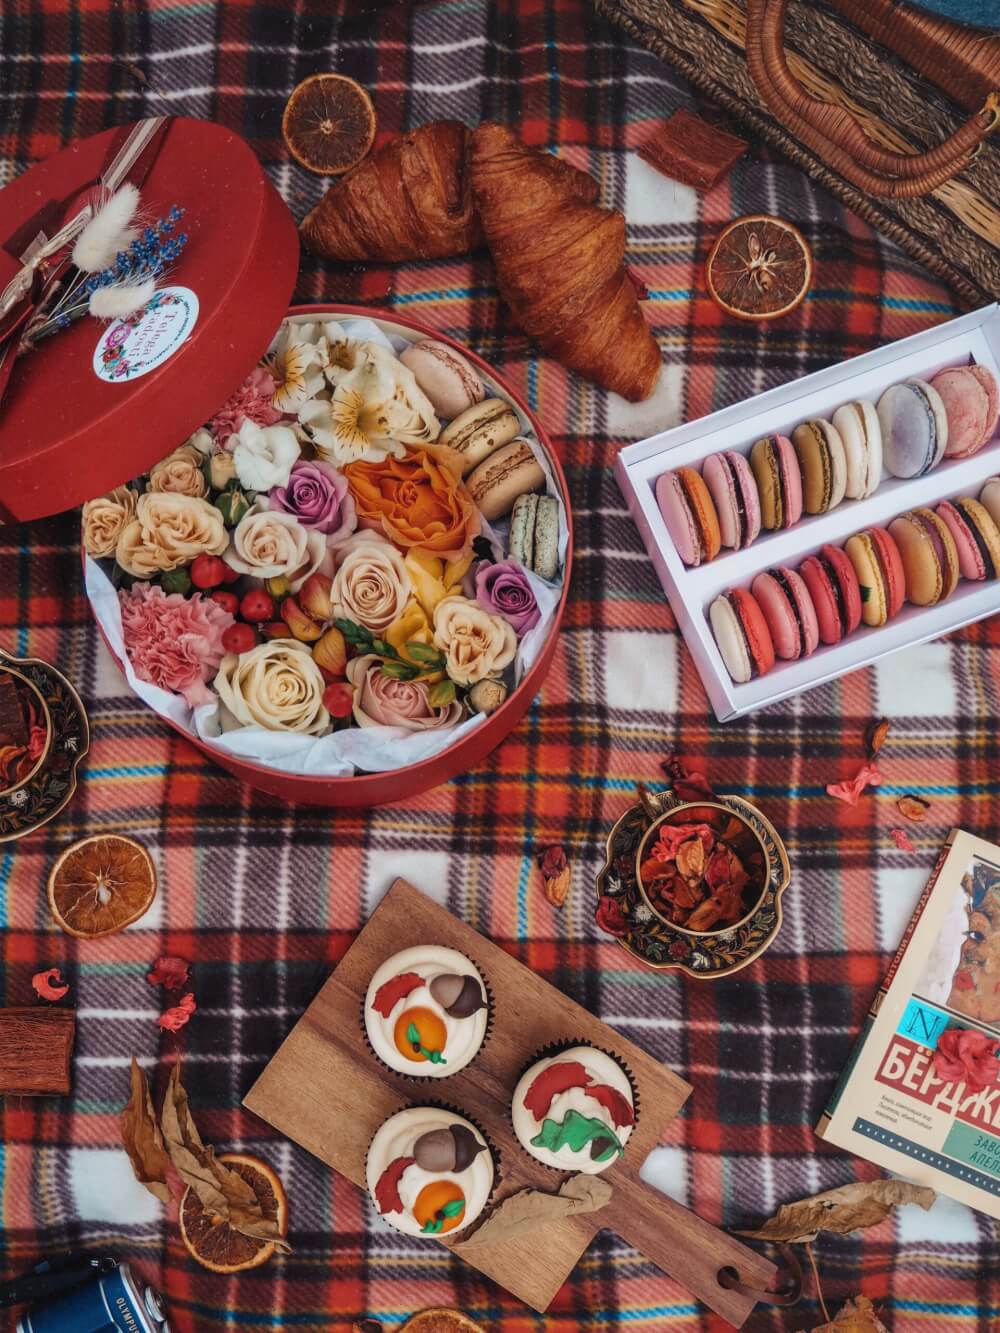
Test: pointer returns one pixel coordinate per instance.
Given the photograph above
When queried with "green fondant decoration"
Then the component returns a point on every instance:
(452, 1209)
(575, 1131)
(413, 1037)
(436, 1223)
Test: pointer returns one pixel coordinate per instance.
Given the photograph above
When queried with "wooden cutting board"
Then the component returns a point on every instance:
(325, 1090)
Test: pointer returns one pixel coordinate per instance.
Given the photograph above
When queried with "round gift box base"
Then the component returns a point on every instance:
(398, 784)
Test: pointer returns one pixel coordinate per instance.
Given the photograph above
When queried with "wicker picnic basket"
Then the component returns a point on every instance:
(888, 107)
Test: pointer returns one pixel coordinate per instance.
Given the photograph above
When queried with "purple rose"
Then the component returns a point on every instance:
(504, 590)
(317, 496)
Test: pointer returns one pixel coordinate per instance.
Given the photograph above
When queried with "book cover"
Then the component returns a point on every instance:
(921, 1092)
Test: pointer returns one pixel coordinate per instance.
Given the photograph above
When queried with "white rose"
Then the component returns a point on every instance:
(372, 584)
(276, 685)
(264, 455)
(267, 543)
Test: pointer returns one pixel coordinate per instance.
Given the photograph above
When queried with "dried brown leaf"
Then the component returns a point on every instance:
(529, 1210)
(850, 1208)
(857, 1316)
(557, 887)
(875, 736)
(556, 875)
(691, 859)
(913, 807)
(142, 1139)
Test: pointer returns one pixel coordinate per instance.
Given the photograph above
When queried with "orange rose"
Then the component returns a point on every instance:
(418, 501)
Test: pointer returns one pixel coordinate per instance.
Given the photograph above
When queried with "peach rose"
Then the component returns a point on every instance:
(180, 473)
(104, 520)
(267, 544)
(371, 585)
(168, 531)
(381, 701)
(475, 643)
(418, 501)
(276, 685)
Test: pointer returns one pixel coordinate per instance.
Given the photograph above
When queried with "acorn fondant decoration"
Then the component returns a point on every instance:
(451, 1149)
(458, 996)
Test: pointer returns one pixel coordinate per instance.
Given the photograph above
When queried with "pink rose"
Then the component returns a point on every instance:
(317, 495)
(504, 589)
(250, 402)
(379, 700)
(174, 641)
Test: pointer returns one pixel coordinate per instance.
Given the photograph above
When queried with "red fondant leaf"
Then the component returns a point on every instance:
(613, 1102)
(557, 1078)
(395, 989)
(387, 1189)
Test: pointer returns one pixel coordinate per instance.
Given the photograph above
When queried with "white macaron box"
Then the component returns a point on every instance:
(970, 338)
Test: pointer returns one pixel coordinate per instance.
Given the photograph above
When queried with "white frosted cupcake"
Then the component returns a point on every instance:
(429, 1171)
(426, 1012)
(574, 1110)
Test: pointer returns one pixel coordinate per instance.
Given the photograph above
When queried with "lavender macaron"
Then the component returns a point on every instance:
(734, 493)
(914, 428)
(445, 376)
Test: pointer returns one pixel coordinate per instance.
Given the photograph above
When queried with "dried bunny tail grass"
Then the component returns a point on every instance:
(107, 232)
(119, 300)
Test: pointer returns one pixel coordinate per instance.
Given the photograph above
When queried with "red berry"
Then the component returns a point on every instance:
(275, 629)
(257, 606)
(227, 600)
(208, 571)
(239, 638)
(231, 575)
(338, 699)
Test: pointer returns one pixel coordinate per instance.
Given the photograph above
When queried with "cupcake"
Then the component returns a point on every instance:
(426, 1012)
(574, 1110)
(429, 1171)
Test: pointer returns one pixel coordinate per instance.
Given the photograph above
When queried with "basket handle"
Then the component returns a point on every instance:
(834, 134)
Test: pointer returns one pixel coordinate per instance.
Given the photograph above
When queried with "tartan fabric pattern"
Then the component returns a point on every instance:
(264, 898)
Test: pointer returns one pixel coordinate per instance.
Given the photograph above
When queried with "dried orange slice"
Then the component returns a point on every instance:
(441, 1320)
(760, 268)
(328, 124)
(212, 1241)
(101, 885)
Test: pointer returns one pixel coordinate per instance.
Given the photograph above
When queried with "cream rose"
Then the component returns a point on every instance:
(105, 518)
(168, 531)
(372, 584)
(379, 700)
(180, 473)
(267, 544)
(276, 685)
(475, 643)
(264, 455)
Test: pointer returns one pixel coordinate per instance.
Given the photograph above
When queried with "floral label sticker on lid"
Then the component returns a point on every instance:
(132, 347)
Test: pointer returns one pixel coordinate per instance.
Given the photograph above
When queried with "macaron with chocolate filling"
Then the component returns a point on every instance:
(930, 559)
(788, 609)
(741, 632)
(734, 493)
(779, 481)
(823, 463)
(508, 472)
(861, 436)
(879, 567)
(835, 591)
(689, 515)
(445, 376)
(914, 428)
(480, 430)
(977, 537)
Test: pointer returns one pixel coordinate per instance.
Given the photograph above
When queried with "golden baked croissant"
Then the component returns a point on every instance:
(560, 264)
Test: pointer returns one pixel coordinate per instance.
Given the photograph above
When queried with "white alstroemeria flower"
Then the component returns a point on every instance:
(264, 456)
(295, 365)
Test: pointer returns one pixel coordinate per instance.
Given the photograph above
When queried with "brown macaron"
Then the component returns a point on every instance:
(479, 430)
(507, 473)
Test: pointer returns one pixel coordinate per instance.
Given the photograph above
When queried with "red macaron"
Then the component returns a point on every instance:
(741, 632)
(835, 591)
(788, 609)
(879, 567)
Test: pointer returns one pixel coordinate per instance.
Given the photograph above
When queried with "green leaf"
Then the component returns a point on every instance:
(575, 1131)
(433, 1226)
(399, 671)
(413, 1035)
(442, 694)
(385, 650)
(452, 1209)
(424, 654)
(355, 634)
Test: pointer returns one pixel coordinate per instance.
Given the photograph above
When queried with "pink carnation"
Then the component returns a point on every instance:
(250, 402)
(174, 641)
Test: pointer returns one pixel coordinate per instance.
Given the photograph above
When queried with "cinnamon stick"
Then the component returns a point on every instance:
(35, 1049)
(688, 149)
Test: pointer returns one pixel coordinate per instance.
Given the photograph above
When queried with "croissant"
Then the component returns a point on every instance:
(410, 199)
(559, 262)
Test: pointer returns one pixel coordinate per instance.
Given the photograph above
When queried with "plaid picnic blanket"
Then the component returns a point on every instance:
(264, 898)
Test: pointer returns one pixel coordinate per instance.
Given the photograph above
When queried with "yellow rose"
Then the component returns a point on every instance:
(103, 520)
(434, 579)
(168, 531)
(475, 643)
(277, 686)
(180, 473)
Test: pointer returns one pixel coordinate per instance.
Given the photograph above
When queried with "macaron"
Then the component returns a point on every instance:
(835, 591)
(788, 609)
(534, 534)
(970, 406)
(929, 555)
(779, 482)
(508, 472)
(914, 428)
(734, 493)
(445, 376)
(989, 498)
(861, 436)
(689, 515)
(823, 464)
(741, 632)
(976, 536)
(879, 567)
(480, 429)
(988, 380)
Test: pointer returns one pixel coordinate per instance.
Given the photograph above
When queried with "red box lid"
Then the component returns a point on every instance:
(75, 422)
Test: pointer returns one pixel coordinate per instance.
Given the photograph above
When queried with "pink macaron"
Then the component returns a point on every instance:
(835, 591)
(789, 612)
(969, 394)
(734, 491)
(448, 380)
(977, 537)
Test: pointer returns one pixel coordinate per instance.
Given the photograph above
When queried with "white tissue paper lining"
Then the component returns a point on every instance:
(341, 753)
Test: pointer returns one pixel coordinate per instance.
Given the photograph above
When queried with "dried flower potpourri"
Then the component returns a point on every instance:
(307, 581)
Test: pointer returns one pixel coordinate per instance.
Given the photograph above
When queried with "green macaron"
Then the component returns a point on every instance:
(534, 534)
